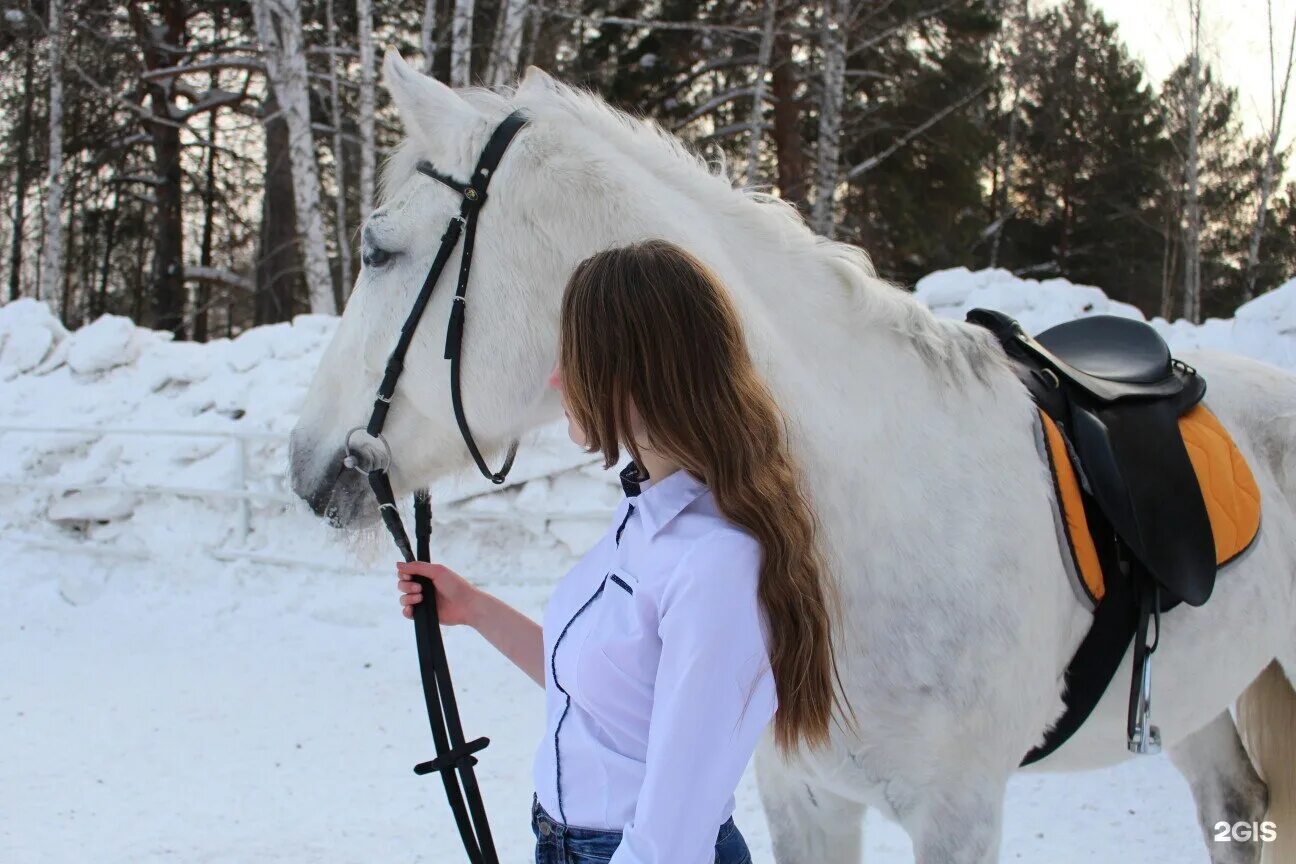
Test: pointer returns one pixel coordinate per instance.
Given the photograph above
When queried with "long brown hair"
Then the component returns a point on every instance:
(650, 324)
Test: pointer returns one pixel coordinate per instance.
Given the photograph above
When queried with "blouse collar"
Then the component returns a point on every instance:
(660, 501)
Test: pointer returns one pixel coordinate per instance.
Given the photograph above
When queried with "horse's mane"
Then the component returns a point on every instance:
(674, 163)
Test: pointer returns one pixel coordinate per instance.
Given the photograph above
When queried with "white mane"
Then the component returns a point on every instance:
(756, 213)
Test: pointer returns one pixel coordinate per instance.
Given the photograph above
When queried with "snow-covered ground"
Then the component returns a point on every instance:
(175, 689)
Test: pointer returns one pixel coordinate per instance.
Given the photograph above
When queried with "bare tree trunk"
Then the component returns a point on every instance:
(1004, 191)
(203, 299)
(137, 284)
(100, 305)
(788, 144)
(1277, 107)
(1014, 46)
(427, 37)
(1192, 169)
(162, 46)
(279, 29)
(507, 50)
(461, 36)
(836, 13)
(339, 160)
(756, 125)
(67, 303)
(52, 266)
(364, 11)
(1168, 257)
(23, 179)
(278, 265)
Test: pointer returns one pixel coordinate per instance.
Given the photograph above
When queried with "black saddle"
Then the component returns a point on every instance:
(1113, 389)
(1116, 394)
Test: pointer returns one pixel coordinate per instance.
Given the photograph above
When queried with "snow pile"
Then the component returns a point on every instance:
(1264, 329)
(29, 334)
(1036, 304)
(78, 477)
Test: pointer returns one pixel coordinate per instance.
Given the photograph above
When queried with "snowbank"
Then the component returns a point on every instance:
(1264, 329)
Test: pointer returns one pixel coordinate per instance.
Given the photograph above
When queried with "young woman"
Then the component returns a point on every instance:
(704, 611)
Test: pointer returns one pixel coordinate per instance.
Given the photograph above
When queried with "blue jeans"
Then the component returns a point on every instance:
(557, 843)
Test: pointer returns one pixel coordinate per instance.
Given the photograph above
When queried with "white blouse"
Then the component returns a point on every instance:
(657, 678)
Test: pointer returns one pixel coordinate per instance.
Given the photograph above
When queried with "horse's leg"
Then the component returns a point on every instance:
(806, 821)
(1225, 786)
(1267, 720)
(959, 823)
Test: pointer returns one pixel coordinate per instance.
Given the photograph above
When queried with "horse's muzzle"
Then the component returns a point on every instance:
(330, 489)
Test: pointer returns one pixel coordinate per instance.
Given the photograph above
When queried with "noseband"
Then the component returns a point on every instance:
(372, 457)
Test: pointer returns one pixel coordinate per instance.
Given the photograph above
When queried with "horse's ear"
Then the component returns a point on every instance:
(428, 108)
(536, 80)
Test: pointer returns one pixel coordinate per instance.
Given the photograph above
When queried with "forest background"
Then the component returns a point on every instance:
(203, 167)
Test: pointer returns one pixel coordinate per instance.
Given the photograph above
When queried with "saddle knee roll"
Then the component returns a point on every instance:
(1227, 485)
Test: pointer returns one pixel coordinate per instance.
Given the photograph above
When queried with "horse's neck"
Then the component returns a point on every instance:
(821, 330)
(810, 312)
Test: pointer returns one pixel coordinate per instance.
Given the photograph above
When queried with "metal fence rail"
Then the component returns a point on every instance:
(240, 493)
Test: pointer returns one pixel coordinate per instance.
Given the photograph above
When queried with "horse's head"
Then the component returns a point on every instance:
(526, 244)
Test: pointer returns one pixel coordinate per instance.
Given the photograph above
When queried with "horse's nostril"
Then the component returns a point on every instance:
(372, 256)
(371, 253)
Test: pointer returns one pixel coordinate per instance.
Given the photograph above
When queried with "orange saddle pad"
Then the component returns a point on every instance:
(1227, 484)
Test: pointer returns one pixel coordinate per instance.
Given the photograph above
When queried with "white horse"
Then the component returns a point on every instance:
(917, 441)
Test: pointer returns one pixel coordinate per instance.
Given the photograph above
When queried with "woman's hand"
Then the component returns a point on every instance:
(457, 599)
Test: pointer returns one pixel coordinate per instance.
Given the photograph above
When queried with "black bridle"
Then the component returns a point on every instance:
(454, 756)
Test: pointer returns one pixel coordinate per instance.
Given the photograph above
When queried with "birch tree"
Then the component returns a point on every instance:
(279, 29)
(461, 37)
(506, 50)
(1277, 107)
(427, 36)
(756, 125)
(22, 180)
(364, 12)
(833, 36)
(52, 265)
(339, 156)
(1192, 168)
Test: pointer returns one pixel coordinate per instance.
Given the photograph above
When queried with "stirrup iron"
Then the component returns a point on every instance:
(1146, 738)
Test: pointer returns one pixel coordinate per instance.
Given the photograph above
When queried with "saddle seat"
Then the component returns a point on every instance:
(1114, 349)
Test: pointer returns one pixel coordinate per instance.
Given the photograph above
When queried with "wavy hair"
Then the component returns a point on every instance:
(650, 325)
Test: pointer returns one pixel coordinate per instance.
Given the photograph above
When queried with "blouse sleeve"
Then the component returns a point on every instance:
(714, 695)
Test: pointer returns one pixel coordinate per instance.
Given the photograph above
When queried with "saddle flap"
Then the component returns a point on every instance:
(1140, 473)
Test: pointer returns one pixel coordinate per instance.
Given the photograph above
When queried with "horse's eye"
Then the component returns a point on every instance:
(372, 256)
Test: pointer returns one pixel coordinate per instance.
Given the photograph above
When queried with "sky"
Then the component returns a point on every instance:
(1235, 36)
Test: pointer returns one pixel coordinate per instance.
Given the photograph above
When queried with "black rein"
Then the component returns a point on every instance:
(454, 756)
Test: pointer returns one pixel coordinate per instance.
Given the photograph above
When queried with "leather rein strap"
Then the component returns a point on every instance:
(454, 756)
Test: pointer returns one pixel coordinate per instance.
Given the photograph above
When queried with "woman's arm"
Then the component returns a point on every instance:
(458, 601)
